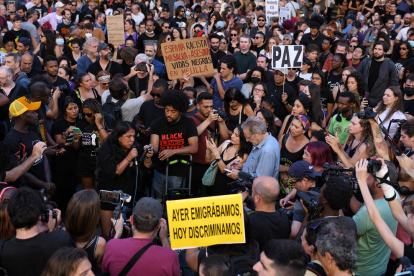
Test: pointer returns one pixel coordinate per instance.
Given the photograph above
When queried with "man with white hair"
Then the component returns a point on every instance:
(140, 79)
(8, 87)
(90, 49)
(14, 60)
(150, 51)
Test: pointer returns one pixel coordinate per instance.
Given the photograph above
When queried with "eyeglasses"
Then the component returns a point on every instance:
(294, 182)
(223, 43)
(5, 77)
(257, 37)
(88, 114)
(155, 95)
(258, 90)
(106, 83)
(248, 137)
(261, 20)
(403, 49)
(288, 39)
(316, 78)
(233, 34)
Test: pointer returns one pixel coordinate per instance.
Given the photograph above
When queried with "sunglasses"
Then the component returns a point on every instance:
(351, 46)
(88, 114)
(155, 95)
(73, 5)
(233, 34)
(257, 37)
(223, 43)
(403, 48)
(261, 20)
(106, 83)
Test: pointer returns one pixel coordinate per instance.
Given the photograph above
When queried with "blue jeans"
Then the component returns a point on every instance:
(158, 182)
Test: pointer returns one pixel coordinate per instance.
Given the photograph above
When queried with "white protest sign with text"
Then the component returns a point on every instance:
(272, 8)
(287, 56)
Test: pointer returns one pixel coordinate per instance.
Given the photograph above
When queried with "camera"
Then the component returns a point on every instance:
(143, 156)
(114, 197)
(406, 266)
(368, 113)
(374, 166)
(44, 217)
(221, 113)
(311, 203)
(142, 66)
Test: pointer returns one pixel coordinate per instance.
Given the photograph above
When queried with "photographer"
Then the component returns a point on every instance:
(31, 248)
(119, 92)
(140, 79)
(266, 222)
(372, 250)
(156, 260)
(117, 169)
(209, 124)
(303, 178)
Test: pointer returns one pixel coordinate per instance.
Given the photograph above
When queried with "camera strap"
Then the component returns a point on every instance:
(134, 260)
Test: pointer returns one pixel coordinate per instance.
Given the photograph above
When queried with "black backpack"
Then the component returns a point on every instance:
(113, 109)
(243, 265)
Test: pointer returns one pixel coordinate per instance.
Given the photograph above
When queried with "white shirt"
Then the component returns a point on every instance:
(129, 109)
(138, 18)
(402, 35)
(394, 126)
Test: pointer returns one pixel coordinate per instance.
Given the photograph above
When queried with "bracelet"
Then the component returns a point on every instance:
(77, 140)
(100, 128)
(218, 160)
(127, 159)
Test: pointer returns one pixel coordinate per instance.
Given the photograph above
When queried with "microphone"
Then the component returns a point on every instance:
(135, 158)
(245, 176)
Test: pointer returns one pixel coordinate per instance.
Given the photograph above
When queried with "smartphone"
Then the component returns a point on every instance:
(209, 135)
(77, 130)
(367, 96)
(22, 150)
(227, 171)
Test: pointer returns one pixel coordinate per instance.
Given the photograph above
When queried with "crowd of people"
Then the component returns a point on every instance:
(85, 124)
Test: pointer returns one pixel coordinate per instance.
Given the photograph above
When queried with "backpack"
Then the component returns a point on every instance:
(113, 109)
(243, 265)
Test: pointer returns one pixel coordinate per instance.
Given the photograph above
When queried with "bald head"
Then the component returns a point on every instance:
(267, 188)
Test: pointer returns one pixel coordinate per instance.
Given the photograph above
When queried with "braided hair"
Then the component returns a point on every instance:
(96, 107)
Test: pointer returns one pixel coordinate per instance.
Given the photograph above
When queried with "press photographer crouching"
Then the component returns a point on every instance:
(303, 178)
(155, 260)
(30, 250)
(120, 168)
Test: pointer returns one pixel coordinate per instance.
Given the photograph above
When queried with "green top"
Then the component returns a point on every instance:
(373, 253)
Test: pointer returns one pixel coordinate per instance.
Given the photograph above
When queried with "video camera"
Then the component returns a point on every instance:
(368, 113)
(118, 198)
(244, 184)
(311, 202)
(221, 113)
(142, 66)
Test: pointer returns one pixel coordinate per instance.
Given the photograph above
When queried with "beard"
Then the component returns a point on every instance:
(151, 58)
(108, 56)
(378, 57)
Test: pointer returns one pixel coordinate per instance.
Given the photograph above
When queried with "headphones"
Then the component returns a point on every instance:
(338, 118)
(405, 191)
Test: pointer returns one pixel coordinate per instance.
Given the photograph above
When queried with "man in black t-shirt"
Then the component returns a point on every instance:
(28, 253)
(266, 222)
(150, 111)
(23, 137)
(17, 28)
(172, 135)
(216, 53)
(409, 97)
(103, 63)
(51, 67)
(284, 94)
(149, 37)
(63, 28)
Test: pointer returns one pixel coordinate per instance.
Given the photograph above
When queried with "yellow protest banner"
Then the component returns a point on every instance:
(206, 221)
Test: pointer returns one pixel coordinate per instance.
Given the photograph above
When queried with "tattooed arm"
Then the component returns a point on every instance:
(380, 144)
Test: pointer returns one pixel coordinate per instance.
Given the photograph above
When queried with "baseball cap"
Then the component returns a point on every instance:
(25, 41)
(102, 46)
(220, 25)
(262, 15)
(21, 105)
(283, 70)
(302, 168)
(59, 5)
(259, 8)
(351, 16)
(148, 205)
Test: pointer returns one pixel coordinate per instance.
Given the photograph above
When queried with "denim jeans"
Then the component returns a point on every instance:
(158, 182)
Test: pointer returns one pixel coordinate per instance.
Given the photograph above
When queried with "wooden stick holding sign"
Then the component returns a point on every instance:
(205, 221)
(188, 55)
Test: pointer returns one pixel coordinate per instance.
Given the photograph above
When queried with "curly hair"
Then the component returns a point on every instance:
(175, 98)
(337, 192)
(360, 81)
(259, 69)
(396, 51)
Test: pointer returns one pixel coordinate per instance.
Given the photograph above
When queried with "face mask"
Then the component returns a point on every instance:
(409, 91)
(191, 102)
(203, 23)
(60, 41)
(254, 80)
(303, 94)
(411, 43)
(88, 35)
(67, 20)
(299, 38)
(2, 34)
(149, 32)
